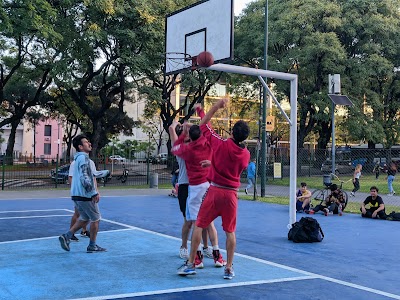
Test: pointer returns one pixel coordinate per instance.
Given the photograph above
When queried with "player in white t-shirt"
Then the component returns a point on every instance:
(97, 174)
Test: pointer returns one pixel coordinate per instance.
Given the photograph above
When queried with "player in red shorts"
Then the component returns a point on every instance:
(228, 161)
(193, 153)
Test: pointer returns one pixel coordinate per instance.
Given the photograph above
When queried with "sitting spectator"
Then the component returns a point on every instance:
(376, 206)
(334, 204)
(303, 198)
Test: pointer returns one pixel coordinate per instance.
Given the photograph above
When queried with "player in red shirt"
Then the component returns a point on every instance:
(229, 159)
(194, 152)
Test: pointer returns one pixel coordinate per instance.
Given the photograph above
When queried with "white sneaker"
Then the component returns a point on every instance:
(183, 253)
(208, 252)
(352, 194)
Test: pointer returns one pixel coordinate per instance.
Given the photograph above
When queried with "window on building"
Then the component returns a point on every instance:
(47, 148)
(47, 130)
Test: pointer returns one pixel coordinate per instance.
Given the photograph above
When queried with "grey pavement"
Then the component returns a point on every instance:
(270, 191)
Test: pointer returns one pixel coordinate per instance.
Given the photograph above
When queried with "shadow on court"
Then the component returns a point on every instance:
(141, 230)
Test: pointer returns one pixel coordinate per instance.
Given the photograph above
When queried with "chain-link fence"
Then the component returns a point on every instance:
(52, 173)
(311, 166)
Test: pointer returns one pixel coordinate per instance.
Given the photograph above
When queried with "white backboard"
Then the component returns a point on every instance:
(203, 26)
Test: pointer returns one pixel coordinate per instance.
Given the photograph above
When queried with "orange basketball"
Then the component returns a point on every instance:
(205, 59)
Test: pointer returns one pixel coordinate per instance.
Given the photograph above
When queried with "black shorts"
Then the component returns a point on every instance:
(183, 192)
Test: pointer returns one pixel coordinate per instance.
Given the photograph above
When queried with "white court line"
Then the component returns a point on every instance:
(33, 210)
(197, 288)
(69, 197)
(309, 275)
(32, 217)
(53, 237)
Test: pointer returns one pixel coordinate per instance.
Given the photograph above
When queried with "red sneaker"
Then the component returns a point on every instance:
(218, 259)
(198, 261)
(311, 212)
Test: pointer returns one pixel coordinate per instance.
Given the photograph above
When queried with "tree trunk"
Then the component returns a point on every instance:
(95, 138)
(11, 142)
(325, 134)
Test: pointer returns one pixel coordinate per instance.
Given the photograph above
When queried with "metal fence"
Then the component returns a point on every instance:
(318, 162)
(312, 165)
(50, 173)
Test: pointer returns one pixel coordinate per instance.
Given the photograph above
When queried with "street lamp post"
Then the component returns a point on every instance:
(334, 93)
(264, 107)
(34, 144)
(58, 139)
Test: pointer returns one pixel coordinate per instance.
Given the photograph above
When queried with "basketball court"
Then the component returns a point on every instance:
(141, 231)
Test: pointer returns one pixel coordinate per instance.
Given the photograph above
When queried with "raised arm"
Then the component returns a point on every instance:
(172, 132)
(207, 118)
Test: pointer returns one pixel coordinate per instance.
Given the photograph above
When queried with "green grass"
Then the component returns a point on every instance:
(315, 182)
(352, 207)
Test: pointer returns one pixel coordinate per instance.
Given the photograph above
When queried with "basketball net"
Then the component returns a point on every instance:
(177, 60)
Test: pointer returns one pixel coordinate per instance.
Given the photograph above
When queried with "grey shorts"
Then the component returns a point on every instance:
(88, 211)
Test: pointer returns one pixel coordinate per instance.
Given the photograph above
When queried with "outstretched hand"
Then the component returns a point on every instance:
(222, 103)
(186, 127)
(174, 124)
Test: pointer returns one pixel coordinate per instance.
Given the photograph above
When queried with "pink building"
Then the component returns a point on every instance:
(48, 139)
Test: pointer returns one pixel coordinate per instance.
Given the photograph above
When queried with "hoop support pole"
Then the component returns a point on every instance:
(292, 121)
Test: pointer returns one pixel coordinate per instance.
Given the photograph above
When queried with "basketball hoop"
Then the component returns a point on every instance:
(178, 60)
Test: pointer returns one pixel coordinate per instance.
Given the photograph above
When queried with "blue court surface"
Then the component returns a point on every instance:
(358, 259)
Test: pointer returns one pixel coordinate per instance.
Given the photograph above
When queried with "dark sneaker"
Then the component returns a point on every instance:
(85, 234)
(92, 249)
(229, 273)
(245, 190)
(74, 239)
(187, 269)
(64, 242)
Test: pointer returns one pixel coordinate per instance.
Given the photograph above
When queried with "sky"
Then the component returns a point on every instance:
(239, 5)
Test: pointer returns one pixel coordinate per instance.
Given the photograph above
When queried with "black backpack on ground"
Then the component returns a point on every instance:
(393, 216)
(307, 230)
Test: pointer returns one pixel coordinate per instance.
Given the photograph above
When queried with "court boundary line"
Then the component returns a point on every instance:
(31, 210)
(56, 236)
(197, 288)
(33, 217)
(69, 197)
(309, 275)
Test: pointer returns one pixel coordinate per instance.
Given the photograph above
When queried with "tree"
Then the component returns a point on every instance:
(373, 57)
(107, 45)
(21, 94)
(357, 39)
(25, 59)
(304, 43)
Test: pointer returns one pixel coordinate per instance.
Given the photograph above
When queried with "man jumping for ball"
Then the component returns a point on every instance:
(229, 159)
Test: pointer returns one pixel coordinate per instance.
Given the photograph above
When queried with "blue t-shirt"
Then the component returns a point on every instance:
(251, 170)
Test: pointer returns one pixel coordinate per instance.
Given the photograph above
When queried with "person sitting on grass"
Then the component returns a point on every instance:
(334, 204)
(376, 206)
(303, 198)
